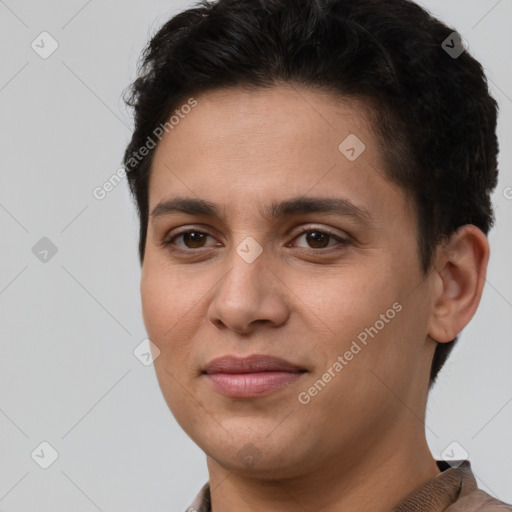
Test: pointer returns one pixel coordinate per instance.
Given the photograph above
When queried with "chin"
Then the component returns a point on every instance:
(255, 452)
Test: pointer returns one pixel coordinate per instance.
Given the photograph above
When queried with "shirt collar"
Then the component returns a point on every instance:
(455, 480)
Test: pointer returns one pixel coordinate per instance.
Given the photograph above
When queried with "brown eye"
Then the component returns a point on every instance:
(187, 240)
(194, 239)
(317, 239)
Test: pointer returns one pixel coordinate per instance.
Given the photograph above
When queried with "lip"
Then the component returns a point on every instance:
(251, 377)
(252, 364)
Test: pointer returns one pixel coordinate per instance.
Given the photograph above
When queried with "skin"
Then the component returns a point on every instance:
(359, 444)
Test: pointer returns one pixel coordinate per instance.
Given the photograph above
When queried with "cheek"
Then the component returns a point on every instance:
(352, 301)
(368, 322)
(166, 299)
(173, 309)
(155, 305)
(164, 310)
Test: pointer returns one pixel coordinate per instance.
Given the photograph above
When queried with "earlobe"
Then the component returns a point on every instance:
(460, 270)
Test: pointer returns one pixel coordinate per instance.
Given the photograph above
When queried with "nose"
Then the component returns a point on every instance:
(248, 295)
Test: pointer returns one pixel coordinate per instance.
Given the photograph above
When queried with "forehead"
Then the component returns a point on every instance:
(238, 118)
(264, 144)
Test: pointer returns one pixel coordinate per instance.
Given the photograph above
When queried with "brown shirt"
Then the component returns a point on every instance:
(453, 490)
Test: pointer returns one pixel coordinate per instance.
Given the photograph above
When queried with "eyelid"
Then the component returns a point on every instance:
(342, 240)
(323, 229)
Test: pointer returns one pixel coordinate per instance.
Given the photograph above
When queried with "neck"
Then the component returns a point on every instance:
(366, 482)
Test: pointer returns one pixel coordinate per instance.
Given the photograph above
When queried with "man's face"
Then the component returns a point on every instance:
(339, 294)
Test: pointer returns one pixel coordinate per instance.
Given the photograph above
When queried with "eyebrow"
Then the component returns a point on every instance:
(276, 210)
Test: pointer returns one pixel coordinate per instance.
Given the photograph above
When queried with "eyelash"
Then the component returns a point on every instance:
(168, 242)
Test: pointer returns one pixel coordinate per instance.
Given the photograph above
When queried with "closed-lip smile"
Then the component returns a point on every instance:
(252, 376)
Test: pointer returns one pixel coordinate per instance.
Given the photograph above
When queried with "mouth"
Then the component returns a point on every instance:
(251, 377)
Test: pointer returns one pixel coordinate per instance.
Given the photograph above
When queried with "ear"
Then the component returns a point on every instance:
(459, 277)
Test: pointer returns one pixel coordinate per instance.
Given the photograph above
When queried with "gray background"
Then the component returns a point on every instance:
(68, 375)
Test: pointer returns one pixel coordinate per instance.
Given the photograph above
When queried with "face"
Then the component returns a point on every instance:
(292, 244)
